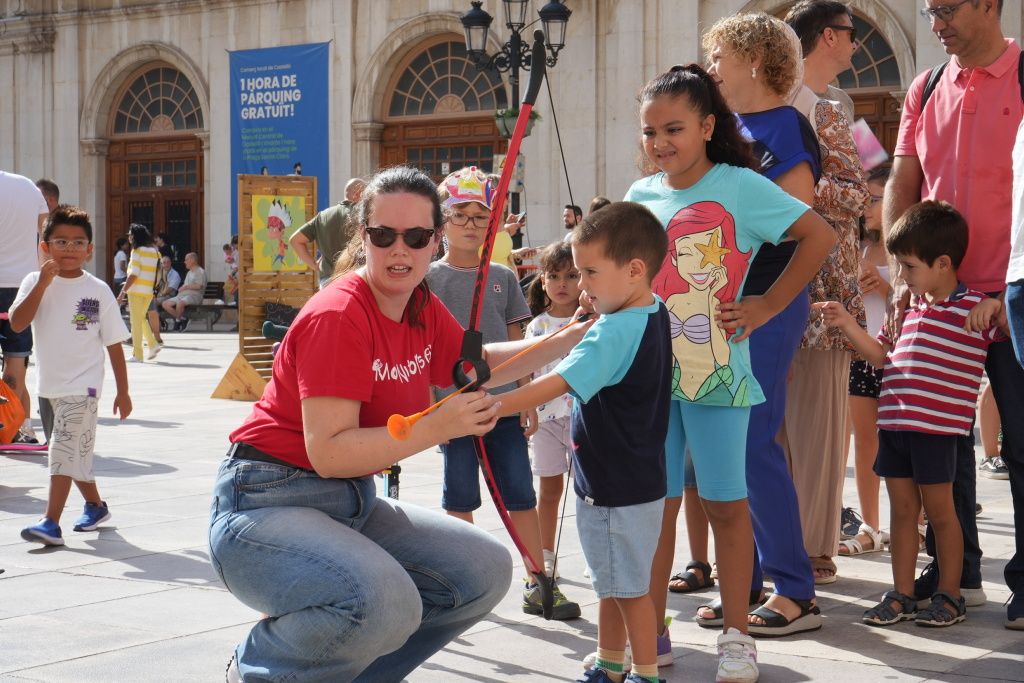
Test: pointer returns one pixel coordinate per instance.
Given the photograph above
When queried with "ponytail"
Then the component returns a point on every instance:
(727, 144)
(553, 258)
(536, 298)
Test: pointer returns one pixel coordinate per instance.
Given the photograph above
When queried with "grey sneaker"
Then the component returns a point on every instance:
(994, 468)
(564, 609)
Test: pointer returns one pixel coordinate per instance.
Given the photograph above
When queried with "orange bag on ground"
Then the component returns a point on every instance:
(12, 413)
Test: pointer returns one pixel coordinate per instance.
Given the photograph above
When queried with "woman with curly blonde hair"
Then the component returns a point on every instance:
(755, 58)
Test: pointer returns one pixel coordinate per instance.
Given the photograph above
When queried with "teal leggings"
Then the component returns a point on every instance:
(717, 439)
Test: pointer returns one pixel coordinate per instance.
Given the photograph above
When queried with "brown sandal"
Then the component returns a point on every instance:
(824, 564)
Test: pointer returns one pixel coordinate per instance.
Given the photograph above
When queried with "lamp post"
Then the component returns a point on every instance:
(515, 53)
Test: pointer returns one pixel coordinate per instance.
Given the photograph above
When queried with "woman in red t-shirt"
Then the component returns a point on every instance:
(356, 587)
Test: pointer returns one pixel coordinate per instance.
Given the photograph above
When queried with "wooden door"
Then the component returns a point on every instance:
(439, 147)
(157, 183)
(882, 113)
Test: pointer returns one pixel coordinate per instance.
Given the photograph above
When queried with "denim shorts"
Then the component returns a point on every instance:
(552, 448)
(14, 344)
(715, 439)
(619, 545)
(925, 458)
(510, 462)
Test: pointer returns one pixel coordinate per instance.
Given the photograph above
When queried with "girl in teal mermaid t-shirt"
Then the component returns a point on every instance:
(717, 211)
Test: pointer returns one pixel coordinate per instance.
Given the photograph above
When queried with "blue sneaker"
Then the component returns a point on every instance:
(92, 516)
(45, 531)
(633, 678)
(594, 676)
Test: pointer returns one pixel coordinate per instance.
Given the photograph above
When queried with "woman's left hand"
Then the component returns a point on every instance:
(749, 314)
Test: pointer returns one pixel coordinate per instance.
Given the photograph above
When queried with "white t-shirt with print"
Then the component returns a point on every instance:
(21, 203)
(541, 326)
(77, 319)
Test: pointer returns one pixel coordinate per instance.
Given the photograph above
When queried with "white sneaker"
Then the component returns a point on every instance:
(153, 350)
(549, 564)
(132, 359)
(233, 675)
(28, 432)
(737, 658)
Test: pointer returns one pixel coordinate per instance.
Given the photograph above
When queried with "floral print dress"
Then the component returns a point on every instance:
(840, 197)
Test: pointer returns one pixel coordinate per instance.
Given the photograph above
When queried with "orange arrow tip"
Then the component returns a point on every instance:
(399, 427)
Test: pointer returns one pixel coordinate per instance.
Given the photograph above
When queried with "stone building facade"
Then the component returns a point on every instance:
(103, 96)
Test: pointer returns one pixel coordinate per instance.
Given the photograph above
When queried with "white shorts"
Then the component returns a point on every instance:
(190, 298)
(74, 436)
(552, 448)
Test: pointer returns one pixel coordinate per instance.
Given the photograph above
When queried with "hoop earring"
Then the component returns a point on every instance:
(753, 72)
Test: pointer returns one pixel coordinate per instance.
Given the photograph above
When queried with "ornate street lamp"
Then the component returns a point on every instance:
(514, 54)
(555, 17)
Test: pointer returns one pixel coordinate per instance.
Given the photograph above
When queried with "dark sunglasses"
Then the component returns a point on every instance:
(843, 27)
(415, 238)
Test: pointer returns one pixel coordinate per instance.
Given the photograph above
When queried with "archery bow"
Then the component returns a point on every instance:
(472, 341)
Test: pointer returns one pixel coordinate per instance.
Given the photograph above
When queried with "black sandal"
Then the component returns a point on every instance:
(776, 624)
(692, 581)
(884, 614)
(756, 599)
(936, 614)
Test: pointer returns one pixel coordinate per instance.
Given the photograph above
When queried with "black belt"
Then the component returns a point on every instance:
(243, 451)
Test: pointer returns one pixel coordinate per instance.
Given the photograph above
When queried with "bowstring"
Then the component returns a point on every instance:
(558, 134)
(568, 185)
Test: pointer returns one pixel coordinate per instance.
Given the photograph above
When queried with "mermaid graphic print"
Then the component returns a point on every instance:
(703, 267)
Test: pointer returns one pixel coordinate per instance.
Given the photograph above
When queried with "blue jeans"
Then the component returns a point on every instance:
(774, 510)
(1015, 313)
(1007, 378)
(357, 588)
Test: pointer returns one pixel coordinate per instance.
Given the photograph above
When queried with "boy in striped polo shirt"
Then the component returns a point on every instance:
(930, 382)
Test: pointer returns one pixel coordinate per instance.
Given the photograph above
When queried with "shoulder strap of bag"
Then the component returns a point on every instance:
(933, 79)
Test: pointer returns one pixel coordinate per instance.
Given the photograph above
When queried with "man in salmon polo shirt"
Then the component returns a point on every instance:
(957, 148)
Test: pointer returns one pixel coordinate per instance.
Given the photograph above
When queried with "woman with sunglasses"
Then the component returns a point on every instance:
(355, 587)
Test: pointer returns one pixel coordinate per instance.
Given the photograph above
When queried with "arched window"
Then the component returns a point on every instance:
(439, 110)
(874, 64)
(158, 100)
(442, 81)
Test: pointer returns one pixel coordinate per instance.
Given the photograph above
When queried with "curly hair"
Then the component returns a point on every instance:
(757, 35)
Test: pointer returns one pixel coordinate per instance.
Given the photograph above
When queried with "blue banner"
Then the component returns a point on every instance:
(279, 116)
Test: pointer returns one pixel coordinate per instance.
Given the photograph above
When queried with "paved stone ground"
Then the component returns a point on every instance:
(138, 600)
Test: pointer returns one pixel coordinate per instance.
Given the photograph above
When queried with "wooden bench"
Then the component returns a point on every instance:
(208, 313)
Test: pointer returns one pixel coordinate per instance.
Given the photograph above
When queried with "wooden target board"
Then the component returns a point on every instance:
(270, 210)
